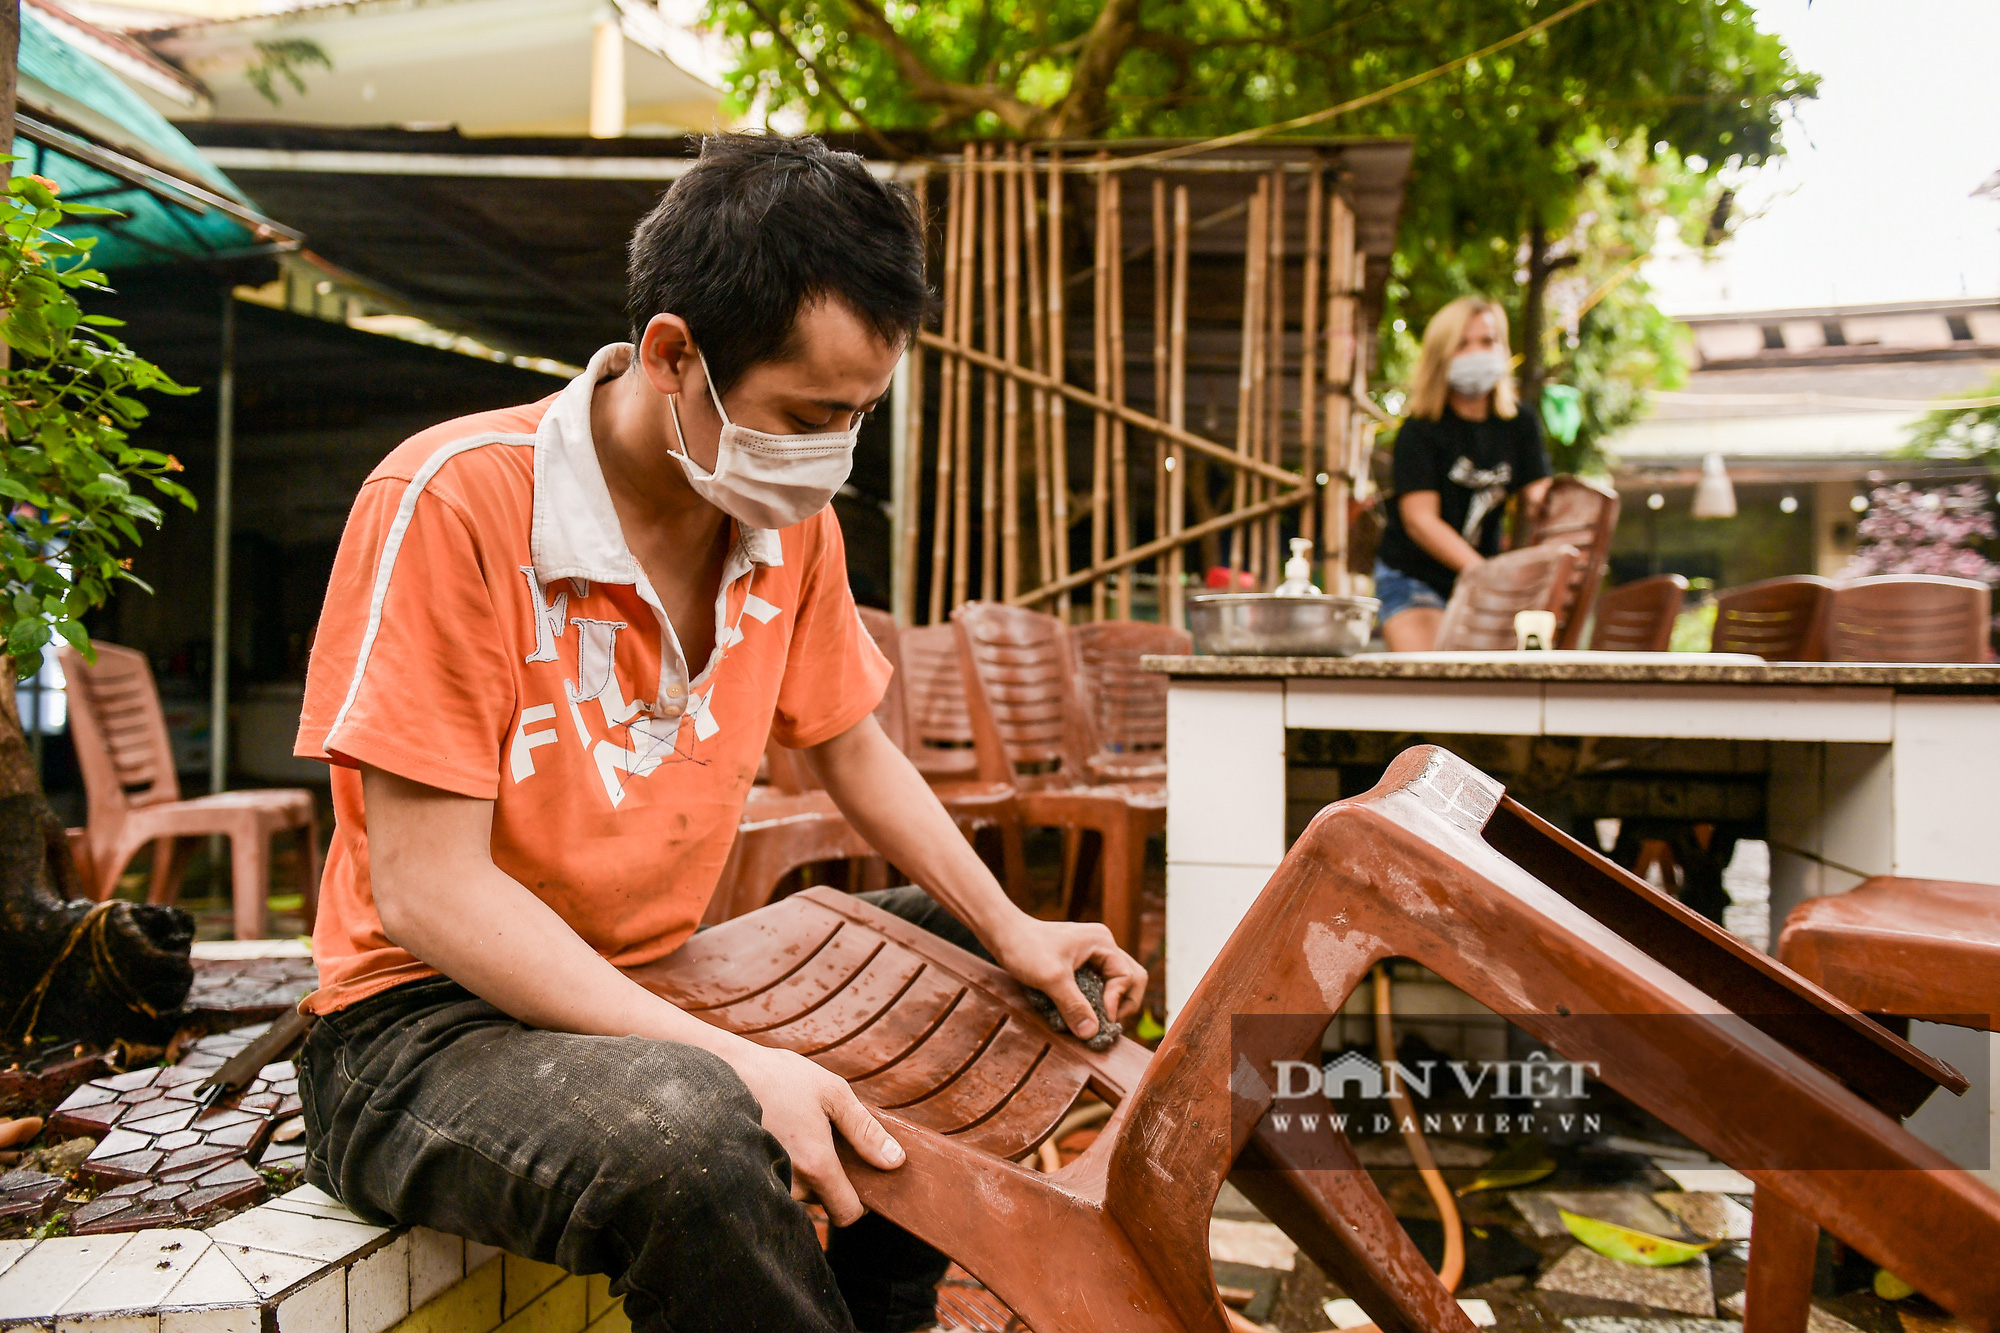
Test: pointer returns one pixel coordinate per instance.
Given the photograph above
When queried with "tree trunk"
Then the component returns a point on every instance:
(72, 969)
(75, 969)
(1534, 305)
(10, 59)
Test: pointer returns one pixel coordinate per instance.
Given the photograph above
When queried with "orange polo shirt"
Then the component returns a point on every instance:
(487, 631)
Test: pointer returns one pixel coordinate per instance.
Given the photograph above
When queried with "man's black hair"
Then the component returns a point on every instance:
(762, 226)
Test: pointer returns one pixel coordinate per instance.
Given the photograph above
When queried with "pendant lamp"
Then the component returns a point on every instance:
(1714, 496)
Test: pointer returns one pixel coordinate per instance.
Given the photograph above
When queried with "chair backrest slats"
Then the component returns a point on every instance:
(940, 729)
(1779, 620)
(1578, 514)
(120, 732)
(894, 710)
(1909, 618)
(1020, 693)
(1639, 617)
(1484, 601)
(1125, 704)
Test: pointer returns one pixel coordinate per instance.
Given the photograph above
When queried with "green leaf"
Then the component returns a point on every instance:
(74, 632)
(1522, 1162)
(1632, 1247)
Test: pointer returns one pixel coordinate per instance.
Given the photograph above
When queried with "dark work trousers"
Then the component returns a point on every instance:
(643, 1159)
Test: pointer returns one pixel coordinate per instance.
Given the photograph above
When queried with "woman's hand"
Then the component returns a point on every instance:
(803, 1104)
(1046, 955)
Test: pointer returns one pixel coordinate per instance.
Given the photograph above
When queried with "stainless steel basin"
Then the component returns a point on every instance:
(1264, 624)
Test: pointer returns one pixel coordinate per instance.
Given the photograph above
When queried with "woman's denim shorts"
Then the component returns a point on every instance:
(1397, 591)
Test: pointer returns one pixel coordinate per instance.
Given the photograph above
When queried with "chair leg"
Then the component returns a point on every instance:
(1323, 1198)
(250, 880)
(314, 868)
(110, 868)
(1086, 852)
(1784, 1244)
(165, 886)
(1013, 860)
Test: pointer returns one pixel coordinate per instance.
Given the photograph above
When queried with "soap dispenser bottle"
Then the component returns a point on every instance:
(1298, 571)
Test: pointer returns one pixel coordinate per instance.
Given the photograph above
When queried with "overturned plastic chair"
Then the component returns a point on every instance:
(1759, 1067)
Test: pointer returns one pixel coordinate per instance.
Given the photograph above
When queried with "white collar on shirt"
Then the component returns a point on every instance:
(575, 532)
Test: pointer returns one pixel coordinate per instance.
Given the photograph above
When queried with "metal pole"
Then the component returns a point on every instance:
(225, 451)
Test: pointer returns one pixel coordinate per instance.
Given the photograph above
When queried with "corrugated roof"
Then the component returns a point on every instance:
(86, 129)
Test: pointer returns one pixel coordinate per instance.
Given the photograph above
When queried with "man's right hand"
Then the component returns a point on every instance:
(803, 1104)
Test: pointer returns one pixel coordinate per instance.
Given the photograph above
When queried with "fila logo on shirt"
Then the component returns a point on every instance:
(654, 739)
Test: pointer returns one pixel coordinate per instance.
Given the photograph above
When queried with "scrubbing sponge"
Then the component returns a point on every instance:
(1091, 982)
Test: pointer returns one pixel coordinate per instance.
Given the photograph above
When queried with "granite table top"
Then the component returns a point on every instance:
(1586, 668)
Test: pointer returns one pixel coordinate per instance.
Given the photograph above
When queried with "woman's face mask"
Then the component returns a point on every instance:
(768, 481)
(1475, 373)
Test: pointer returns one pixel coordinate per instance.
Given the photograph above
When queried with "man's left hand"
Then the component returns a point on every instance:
(1046, 955)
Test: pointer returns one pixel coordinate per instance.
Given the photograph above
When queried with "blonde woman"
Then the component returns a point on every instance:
(1464, 448)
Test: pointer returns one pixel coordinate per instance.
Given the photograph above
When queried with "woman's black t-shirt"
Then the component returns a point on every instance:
(1473, 466)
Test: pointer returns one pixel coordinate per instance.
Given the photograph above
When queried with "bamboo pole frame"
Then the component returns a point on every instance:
(1031, 231)
(1121, 473)
(1100, 365)
(947, 399)
(1271, 363)
(908, 495)
(1010, 400)
(1246, 403)
(961, 500)
(1130, 415)
(1309, 362)
(1004, 396)
(1138, 554)
(1177, 414)
(989, 437)
(1162, 475)
(1058, 379)
(1341, 356)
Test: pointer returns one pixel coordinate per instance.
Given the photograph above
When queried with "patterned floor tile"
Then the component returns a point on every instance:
(50, 1075)
(250, 989)
(171, 1199)
(151, 1125)
(27, 1193)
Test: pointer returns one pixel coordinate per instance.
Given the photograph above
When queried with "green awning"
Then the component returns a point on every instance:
(84, 128)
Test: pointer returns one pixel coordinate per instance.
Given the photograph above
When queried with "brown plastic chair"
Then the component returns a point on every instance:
(790, 821)
(1125, 705)
(1029, 731)
(940, 737)
(1484, 601)
(134, 796)
(1639, 617)
(1779, 620)
(1909, 948)
(1758, 1067)
(1909, 618)
(1574, 512)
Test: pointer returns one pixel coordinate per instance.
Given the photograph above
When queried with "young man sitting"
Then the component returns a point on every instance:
(555, 642)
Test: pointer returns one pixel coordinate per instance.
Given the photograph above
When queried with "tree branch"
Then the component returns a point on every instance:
(1081, 112)
(826, 83)
(926, 85)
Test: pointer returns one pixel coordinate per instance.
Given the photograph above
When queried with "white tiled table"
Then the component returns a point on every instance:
(1874, 769)
(299, 1264)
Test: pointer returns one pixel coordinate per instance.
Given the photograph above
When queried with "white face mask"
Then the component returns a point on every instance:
(1475, 373)
(768, 481)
